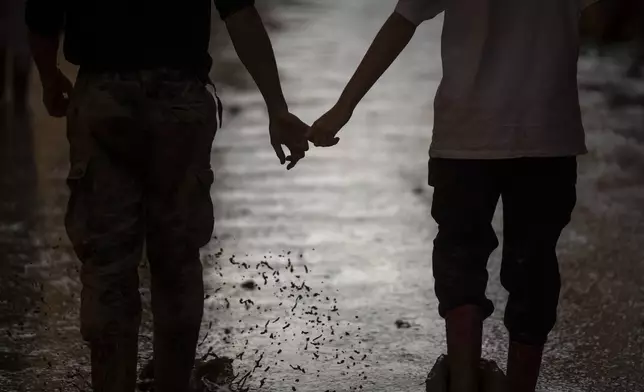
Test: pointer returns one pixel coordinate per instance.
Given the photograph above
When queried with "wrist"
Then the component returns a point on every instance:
(345, 105)
(277, 110)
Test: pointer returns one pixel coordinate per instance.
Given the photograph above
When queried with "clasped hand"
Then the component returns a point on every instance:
(288, 130)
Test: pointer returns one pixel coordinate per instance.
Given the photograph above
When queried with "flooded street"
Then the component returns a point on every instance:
(339, 249)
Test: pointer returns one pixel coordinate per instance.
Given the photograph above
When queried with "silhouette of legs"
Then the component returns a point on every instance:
(465, 197)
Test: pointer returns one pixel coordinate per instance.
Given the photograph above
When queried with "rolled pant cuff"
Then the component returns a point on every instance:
(528, 339)
(486, 306)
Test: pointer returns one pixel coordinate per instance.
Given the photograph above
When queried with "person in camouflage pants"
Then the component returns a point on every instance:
(140, 173)
(141, 121)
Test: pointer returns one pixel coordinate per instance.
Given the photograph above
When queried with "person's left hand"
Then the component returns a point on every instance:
(288, 130)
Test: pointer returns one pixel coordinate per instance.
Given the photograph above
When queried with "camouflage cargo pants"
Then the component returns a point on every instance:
(140, 145)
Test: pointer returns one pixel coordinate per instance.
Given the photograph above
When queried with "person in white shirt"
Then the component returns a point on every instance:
(507, 125)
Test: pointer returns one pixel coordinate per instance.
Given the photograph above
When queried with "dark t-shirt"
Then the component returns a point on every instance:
(132, 34)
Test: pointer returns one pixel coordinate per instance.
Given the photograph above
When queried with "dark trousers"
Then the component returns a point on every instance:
(140, 145)
(538, 196)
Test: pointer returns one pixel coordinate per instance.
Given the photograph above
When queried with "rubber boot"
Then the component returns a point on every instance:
(524, 363)
(114, 364)
(438, 378)
(464, 339)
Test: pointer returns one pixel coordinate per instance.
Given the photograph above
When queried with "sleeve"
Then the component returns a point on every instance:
(418, 11)
(46, 17)
(229, 7)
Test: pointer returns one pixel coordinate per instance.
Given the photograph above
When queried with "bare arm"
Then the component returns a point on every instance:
(390, 41)
(45, 20)
(45, 52)
(392, 38)
(255, 50)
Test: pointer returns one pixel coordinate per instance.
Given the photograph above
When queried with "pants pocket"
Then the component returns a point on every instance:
(76, 214)
(203, 212)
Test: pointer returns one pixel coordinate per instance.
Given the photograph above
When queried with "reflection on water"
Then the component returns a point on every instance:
(351, 223)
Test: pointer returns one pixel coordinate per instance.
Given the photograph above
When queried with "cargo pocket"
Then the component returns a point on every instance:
(203, 218)
(76, 214)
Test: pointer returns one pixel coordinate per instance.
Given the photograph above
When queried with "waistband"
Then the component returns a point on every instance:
(145, 74)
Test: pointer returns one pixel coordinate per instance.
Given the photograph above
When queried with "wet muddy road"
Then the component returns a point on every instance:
(339, 248)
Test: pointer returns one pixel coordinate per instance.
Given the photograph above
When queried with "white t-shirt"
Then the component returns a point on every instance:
(509, 86)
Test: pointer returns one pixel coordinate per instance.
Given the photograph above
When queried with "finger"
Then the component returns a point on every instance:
(298, 143)
(295, 155)
(293, 160)
(321, 141)
(316, 138)
(313, 133)
(279, 152)
(327, 142)
(301, 145)
(309, 133)
(323, 138)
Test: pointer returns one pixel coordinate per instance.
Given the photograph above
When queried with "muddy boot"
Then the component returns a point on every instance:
(464, 339)
(491, 378)
(212, 375)
(114, 365)
(206, 376)
(438, 377)
(524, 363)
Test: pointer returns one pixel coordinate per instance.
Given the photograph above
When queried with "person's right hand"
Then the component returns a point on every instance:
(323, 132)
(57, 90)
(287, 129)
